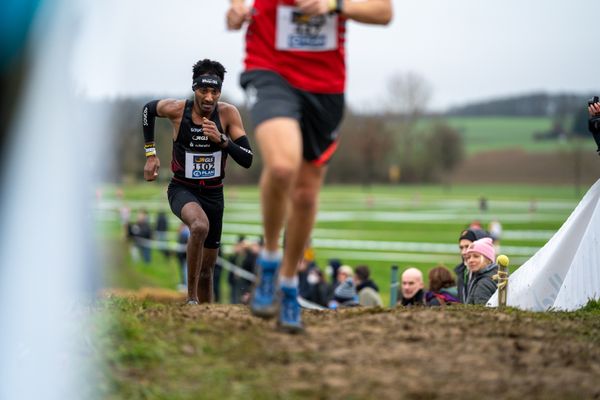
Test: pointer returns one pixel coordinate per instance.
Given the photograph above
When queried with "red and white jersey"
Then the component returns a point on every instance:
(307, 51)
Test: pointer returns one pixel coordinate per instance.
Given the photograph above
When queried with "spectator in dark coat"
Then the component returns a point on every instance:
(411, 291)
(467, 237)
(332, 270)
(480, 262)
(442, 287)
(368, 292)
(162, 230)
(141, 233)
(318, 289)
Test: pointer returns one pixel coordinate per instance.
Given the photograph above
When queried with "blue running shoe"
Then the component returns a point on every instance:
(289, 312)
(263, 302)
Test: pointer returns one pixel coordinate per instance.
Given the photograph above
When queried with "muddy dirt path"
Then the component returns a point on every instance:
(458, 352)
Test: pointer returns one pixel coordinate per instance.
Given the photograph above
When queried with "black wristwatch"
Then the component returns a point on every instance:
(223, 138)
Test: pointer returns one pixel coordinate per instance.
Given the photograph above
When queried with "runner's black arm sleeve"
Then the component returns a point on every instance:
(240, 151)
(149, 114)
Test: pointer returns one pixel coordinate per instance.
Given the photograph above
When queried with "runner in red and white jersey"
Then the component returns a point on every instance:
(307, 52)
(294, 80)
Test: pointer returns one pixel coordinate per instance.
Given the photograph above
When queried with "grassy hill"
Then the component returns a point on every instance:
(503, 150)
(499, 133)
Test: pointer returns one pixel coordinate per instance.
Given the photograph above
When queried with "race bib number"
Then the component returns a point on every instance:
(296, 31)
(203, 165)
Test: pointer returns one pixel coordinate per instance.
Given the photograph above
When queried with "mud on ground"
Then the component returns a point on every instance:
(460, 352)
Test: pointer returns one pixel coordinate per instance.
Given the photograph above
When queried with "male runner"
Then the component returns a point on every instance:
(295, 79)
(205, 131)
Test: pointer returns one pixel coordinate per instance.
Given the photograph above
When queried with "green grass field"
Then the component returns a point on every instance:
(378, 226)
(500, 133)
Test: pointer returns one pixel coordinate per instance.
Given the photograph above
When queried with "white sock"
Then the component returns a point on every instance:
(270, 255)
(288, 282)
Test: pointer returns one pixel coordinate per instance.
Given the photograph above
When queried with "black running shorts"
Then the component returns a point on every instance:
(210, 199)
(269, 96)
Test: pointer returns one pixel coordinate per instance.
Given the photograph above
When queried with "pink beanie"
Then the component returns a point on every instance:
(485, 247)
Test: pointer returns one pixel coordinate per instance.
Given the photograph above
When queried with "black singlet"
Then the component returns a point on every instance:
(203, 159)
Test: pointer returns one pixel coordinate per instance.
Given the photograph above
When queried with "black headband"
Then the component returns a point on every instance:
(207, 81)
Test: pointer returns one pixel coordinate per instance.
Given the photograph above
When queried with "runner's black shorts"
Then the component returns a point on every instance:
(210, 199)
(269, 96)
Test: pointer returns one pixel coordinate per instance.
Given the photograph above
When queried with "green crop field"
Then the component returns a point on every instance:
(378, 226)
(499, 133)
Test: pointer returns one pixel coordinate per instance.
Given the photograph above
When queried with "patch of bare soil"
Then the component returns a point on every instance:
(457, 352)
(435, 353)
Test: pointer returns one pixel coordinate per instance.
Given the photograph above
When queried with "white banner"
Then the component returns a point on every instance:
(565, 273)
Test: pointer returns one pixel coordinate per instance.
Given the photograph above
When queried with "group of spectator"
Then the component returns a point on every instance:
(139, 232)
(341, 285)
(474, 283)
(348, 288)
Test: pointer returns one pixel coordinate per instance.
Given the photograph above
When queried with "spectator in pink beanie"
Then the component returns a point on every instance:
(480, 262)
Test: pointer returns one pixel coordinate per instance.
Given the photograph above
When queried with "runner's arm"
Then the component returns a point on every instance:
(365, 11)
(237, 144)
(168, 108)
(377, 12)
(237, 14)
(156, 108)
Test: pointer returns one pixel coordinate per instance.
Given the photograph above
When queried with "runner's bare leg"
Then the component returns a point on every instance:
(301, 216)
(195, 218)
(280, 145)
(205, 282)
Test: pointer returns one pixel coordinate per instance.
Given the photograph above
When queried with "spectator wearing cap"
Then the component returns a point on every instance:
(480, 262)
(342, 273)
(344, 294)
(368, 292)
(411, 290)
(467, 237)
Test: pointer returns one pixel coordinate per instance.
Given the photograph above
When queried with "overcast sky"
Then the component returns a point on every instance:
(466, 49)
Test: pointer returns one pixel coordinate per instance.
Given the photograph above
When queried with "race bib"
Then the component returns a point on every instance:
(203, 165)
(296, 31)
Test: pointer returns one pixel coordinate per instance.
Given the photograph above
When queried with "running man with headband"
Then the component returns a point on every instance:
(205, 132)
(294, 78)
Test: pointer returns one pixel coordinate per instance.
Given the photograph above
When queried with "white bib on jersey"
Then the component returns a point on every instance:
(203, 165)
(296, 31)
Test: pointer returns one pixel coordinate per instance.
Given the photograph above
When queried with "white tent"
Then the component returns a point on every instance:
(565, 273)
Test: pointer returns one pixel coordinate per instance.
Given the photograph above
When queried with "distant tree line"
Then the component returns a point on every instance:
(373, 148)
(399, 144)
(528, 105)
(568, 111)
